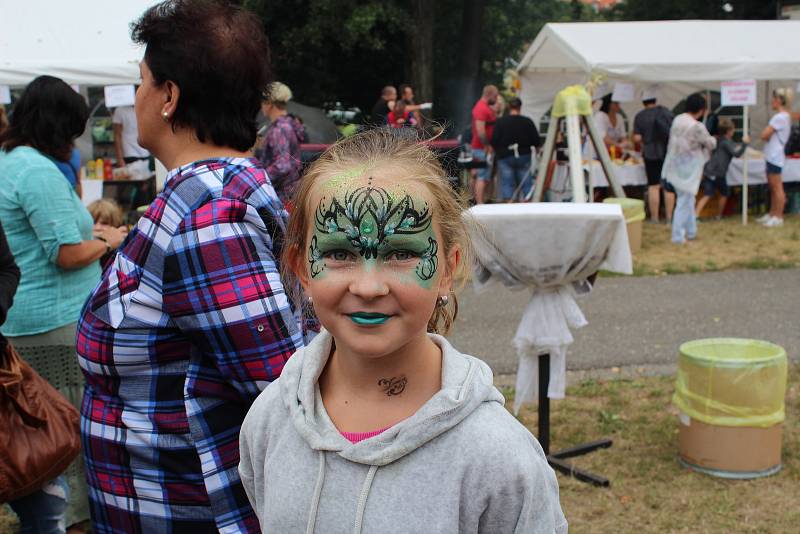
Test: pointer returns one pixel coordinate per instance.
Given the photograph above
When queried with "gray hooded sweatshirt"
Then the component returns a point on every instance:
(461, 464)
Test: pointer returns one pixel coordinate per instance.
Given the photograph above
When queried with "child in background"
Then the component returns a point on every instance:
(379, 424)
(400, 116)
(105, 213)
(716, 168)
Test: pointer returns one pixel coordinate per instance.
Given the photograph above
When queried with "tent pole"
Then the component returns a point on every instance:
(575, 159)
(746, 132)
(547, 156)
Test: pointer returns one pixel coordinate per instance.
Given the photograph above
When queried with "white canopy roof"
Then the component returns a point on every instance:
(681, 56)
(85, 42)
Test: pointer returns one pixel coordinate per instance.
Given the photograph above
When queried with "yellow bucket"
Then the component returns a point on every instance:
(730, 393)
(633, 211)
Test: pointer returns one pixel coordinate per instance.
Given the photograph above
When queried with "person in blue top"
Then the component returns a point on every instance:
(71, 169)
(50, 235)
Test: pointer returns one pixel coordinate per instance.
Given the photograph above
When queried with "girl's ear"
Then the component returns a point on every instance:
(452, 261)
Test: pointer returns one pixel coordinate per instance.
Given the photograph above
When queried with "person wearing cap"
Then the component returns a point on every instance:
(651, 129)
(514, 139)
(280, 155)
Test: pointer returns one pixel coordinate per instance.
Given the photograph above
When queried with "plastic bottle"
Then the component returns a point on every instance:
(90, 173)
(98, 168)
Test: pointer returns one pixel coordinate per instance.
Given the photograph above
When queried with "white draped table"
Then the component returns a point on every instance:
(626, 173)
(634, 174)
(550, 249)
(757, 171)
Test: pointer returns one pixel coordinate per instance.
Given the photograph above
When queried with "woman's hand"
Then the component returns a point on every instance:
(113, 236)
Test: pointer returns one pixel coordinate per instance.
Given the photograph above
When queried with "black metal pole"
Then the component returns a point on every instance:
(544, 402)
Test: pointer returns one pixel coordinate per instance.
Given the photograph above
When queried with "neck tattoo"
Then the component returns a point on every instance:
(370, 218)
(393, 386)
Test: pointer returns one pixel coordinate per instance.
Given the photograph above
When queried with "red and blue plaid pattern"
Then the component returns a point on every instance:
(188, 324)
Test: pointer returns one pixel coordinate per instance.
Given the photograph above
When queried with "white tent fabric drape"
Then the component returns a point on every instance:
(83, 42)
(680, 56)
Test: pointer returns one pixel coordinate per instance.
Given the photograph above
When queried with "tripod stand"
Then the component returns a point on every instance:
(574, 106)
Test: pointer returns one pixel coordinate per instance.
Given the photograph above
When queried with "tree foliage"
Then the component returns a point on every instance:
(347, 50)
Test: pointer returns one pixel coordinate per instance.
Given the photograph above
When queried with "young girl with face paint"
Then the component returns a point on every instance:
(380, 425)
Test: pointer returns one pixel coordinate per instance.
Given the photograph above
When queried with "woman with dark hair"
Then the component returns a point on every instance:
(190, 320)
(611, 124)
(50, 235)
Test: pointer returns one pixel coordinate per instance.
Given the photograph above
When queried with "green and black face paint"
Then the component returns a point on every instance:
(376, 225)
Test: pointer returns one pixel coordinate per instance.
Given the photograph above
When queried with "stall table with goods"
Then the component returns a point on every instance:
(131, 186)
(552, 250)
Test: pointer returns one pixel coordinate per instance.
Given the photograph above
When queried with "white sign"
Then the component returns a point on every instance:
(5, 94)
(92, 190)
(119, 95)
(739, 93)
(623, 92)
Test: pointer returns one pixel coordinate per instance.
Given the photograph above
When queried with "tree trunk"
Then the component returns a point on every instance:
(469, 71)
(420, 45)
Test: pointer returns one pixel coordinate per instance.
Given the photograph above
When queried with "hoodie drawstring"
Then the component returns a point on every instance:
(312, 513)
(362, 500)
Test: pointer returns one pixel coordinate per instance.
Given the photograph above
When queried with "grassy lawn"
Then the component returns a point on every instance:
(650, 491)
(720, 245)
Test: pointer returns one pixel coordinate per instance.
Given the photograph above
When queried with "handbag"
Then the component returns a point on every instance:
(39, 429)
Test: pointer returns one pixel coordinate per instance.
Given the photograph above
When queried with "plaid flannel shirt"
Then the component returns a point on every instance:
(188, 324)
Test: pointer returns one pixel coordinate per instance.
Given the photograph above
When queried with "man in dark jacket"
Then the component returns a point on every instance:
(651, 129)
(514, 139)
(383, 106)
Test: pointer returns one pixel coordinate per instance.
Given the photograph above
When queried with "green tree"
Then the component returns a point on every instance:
(334, 50)
(346, 50)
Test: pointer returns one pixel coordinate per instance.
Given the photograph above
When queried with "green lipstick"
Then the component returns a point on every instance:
(365, 318)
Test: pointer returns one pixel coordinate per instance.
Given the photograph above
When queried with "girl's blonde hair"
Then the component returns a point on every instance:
(106, 211)
(368, 152)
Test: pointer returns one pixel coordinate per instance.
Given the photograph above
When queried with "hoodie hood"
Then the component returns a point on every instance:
(466, 384)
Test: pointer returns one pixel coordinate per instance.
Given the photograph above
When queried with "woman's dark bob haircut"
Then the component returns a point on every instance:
(218, 56)
(48, 116)
(695, 103)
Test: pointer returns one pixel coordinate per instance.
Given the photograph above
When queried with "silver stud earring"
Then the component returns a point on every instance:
(442, 301)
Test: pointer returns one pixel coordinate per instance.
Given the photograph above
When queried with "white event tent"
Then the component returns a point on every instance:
(83, 42)
(679, 56)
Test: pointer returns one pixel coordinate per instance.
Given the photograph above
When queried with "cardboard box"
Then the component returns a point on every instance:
(729, 448)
